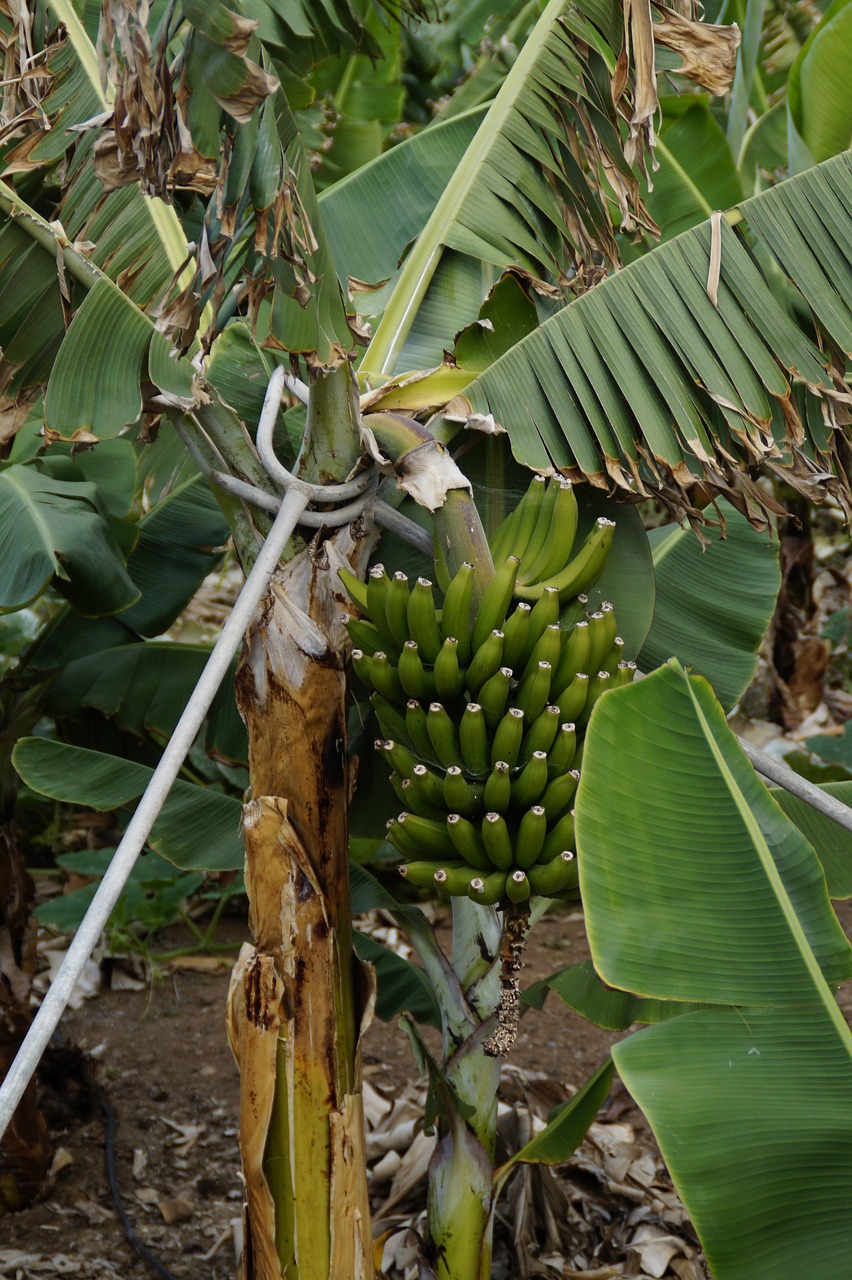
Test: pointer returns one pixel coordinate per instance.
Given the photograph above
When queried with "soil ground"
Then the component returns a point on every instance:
(159, 1058)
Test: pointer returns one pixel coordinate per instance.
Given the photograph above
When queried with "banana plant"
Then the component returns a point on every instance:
(485, 236)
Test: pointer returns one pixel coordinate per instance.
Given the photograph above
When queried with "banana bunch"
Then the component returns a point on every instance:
(483, 716)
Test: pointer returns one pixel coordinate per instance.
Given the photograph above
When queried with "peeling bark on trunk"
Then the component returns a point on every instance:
(299, 999)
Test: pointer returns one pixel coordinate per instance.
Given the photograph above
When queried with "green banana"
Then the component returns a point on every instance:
(377, 590)
(561, 532)
(598, 684)
(497, 841)
(574, 656)
(515, 632)
(385, 678)
(572, 699)
(508, 736)
(494, 695)
(523, 520)
(455, 619)
(531, 782)
(416, 730)
(473, 740)
(443, 734)
(467, 842)
(442, 571)
(402, 841)
(429, 834)
(459, 795)
(391, 721)
(449, 677)
(558, 793)
(583, 571)
(396, 607)
(399, 756)
(422, 619)
(560, 757)
(573, 611)
(623, 674)
(487, 658)
(548, 648)
(488, 890)
(415, 679)
(532, 830)
(541, 734)
(534, 692)
(545, 613)
(549, 878)
(613, 658)
(608, 611)
(355, 588)
(365, 636)
(429, 785)
(560, 836)
(421, 874)
(538, 538)
(362, 665)
(413, 800)
(517, 887)
(455, 879)
(497, 795)
(599, 645)
(494, 606)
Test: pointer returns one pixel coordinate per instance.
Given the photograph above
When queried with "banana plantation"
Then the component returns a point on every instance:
(424, 547)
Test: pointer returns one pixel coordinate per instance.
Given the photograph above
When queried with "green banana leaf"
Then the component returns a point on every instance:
(644, 366)
(832, 843)
(697, 173)
(697, 888)
(151, 898)
(581, 989)
(57, 531)
(198, 829)
(713, 604)
(403, 987)
(819, 91)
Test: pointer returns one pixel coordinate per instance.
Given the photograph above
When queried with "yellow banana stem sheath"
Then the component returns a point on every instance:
(497, 795)
(532, 830)
(488, 890)
(531, 782)
(467, 842)
(455, 618)
(493, 696)
(495, 603)
(487, 659)
(497, 841)
(422, 620)
(396, 607)
(508, 736)
(473, 740)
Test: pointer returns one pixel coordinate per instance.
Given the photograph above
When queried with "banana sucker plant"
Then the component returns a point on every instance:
(162, 250)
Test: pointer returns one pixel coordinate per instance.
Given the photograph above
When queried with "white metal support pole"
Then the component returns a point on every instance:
(59, 992)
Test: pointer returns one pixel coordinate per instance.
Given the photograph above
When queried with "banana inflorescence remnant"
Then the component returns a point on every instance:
(483, 716)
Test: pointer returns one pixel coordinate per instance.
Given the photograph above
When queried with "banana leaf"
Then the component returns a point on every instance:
(198, 829)
(697, 173)
(697, 888)
(819, 91)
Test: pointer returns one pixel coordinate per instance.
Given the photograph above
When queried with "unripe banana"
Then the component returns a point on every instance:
(467, 841)
(494, 696)
(623, 674)
(385, 678)
(473, 740)
(544, 613)
(413, 800)
(531, 782)
(508, 736)
(497, 841)
(449, 677)
(532, 830)
(444, 735)
(429, 785)
(391, 721)
(608, 611)
(548, 648)
(599, 645)
(403, 841)
(355, 588)
(439, 557)
(495, 602)
(583, 571)
(538, 538)
(517, 887)
(573, 611)
(367, 637)
(428, 834)
(422, 619)
(562, 754)
(549, 878)
(488, 890)
(421, 874)
(573, 698)
(558, 794)
(415, 679)
(515, 635)
(497, 795)
(362, 664)
(574, 656)
(557, 546)
(560, 836)
(396, 607)
(523, 521)
(541, 734)
(598, 684)
(487, 659)
(399, 756)
(534, 692)
(377, 589)
(416, 729)
(455, 879)
(455, 619)
(614, 657)
(459, 795)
